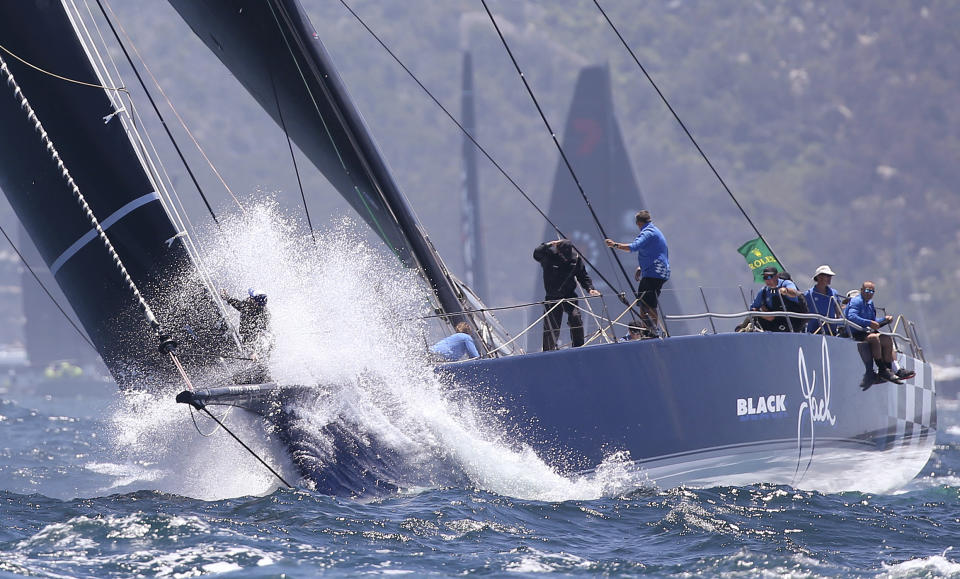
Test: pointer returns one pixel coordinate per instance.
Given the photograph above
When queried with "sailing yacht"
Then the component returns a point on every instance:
(705, 409)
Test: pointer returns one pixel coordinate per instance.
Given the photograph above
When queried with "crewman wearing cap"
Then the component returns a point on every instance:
(772, 299)
(254, 318)
(824, 300)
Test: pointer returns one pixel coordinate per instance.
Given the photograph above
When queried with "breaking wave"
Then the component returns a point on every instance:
(347, 321)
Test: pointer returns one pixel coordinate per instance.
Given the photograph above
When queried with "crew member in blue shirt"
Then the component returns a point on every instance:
(863, 312)
(653, 266)
(456, 346)
(772, 299)
(824, 300)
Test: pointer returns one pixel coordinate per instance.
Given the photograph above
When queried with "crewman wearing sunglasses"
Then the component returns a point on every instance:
(773, 298)
(863, 312)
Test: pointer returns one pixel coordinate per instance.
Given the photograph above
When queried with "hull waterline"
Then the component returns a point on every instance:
(727, 409)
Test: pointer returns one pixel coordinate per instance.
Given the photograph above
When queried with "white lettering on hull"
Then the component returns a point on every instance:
(813, 409)
(774, 404)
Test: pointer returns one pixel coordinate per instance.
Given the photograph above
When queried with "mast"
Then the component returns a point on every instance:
(273, 50)
(474, 260)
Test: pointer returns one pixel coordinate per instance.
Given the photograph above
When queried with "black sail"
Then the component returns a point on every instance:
(273, 50)
(594, 145)
(100, 159)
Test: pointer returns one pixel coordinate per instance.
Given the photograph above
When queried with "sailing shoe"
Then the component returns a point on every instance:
(886, 374)
(905, 374)
(869, 379)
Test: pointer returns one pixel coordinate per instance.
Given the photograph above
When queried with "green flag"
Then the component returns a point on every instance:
(758, 256)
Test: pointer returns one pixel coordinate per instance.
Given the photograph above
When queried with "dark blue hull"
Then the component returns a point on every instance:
(719, 409)
(699, 411)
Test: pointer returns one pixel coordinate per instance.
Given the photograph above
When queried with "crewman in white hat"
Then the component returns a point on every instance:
(824, 300)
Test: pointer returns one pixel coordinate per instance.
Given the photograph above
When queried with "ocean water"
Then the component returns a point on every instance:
(68, 508)
(95, 484)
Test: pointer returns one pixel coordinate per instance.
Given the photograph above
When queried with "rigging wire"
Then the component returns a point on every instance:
(556, 142)
(293, 156)
(333, 145)
(244, 445)
(23, 260)
(80, 199)
(684, 127)
(467, 134)
(156, 109)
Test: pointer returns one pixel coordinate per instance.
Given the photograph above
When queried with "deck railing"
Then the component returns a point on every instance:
(605, 323)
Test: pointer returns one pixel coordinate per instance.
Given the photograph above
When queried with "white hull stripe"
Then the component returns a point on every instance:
(106, 223)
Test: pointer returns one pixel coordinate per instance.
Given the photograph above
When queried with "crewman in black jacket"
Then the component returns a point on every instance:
(254, 320)
(562, 269)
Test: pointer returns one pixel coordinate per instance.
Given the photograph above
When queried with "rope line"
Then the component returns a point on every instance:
(553, 135)
(557, 303)
(78, 196)
(528, 328)
(63, 78)
(467, 134)
(684, 127)
(193, 417)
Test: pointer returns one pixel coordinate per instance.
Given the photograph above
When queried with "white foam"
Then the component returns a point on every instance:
(348, 320)
(159, 448)
(936, 565)
(535, 561)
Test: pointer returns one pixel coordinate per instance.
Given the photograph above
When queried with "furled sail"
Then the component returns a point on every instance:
(56, 143)
(273, 50)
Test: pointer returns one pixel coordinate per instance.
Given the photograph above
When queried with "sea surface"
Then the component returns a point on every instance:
(72, 504)
(95, 484)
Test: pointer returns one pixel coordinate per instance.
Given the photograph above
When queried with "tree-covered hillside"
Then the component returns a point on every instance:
(830, 121)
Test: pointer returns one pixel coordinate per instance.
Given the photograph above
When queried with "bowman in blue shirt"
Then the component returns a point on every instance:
(653, 266)
(456, 346)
